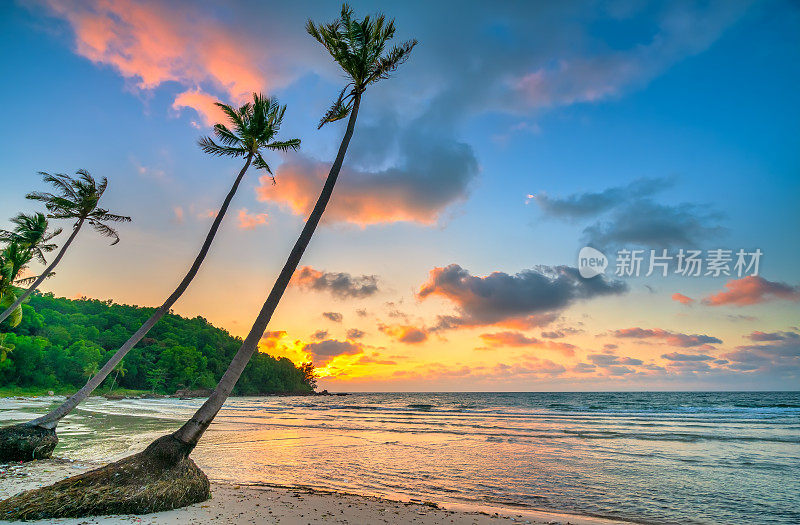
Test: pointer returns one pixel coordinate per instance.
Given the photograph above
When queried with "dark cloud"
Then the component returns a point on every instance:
(319, 334)
(671, 338)
(341, 285)
(773, 336)
(515, 300)
(355, 333)
(431, 174)
(589, 205)
(405, 333)
(631, 217)
(676, 356)
(323, 351)
(336, 317)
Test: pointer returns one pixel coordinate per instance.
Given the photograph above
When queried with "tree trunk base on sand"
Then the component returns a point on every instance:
(161, 477)
(26, 442)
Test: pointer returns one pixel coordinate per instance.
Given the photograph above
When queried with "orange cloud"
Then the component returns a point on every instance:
(518, 339)
(752, 289)
(405, 333)
(152, 43)
(203, 104)
(683, 299)
(249, 221)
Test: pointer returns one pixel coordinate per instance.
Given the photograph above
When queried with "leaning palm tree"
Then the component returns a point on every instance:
(28, 239)
(254, 128)
(32, 231)
(75, 199)
(163, 476)
(14, 258)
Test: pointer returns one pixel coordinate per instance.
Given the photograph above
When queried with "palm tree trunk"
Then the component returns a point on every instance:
(44, 274)
(51, 419)
(193, 429)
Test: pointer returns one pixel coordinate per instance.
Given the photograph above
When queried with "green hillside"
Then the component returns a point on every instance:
(61, 342)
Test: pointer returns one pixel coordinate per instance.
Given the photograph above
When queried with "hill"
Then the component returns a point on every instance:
(61, 342)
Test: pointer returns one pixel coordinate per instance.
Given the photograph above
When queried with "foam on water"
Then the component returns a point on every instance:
(652, 457)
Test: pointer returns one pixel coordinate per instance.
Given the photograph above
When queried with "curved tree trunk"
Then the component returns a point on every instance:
(192, 430)
(44, 274)
(51, 419)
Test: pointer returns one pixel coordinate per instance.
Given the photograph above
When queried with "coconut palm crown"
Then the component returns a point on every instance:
(77, 198)
(255, 125)
(358, 47)
(31, 230)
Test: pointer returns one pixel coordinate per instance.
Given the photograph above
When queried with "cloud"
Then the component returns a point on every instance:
(153, 43)
(432, 174)
(672, 338)
(781, 357)
(752, 289)
(324, 351)
(632, 217)
(518, 339)
(248, 221)
(405, 333)
(339, 284)
(591, 204)
(675, 356)
(319, 335)
(336, 317)
(647, 223)
(683, 299)
(355, 333)
(773, 336)
(527, 298)
(203, 104)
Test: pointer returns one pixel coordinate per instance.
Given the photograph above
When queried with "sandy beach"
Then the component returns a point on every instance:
(257, 504)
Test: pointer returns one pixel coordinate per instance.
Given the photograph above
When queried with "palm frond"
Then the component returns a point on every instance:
(286, 145)
(106, 231)
(208, 145)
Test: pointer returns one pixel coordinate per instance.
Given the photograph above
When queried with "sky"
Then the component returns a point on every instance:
(448, 259)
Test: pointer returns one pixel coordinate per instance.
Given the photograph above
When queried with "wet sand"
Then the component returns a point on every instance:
(250, 504)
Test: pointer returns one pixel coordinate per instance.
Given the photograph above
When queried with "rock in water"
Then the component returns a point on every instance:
(26, 442)
(161, 477)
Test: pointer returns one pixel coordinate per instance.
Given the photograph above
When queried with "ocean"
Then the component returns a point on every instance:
(658, 457)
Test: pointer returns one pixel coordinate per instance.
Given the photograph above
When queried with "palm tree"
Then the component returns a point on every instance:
(31, 231)
(254, 128)
(77, 199)
(120, 371)
(162, 476)
(13, 259)
(28, 239)
(359, 47)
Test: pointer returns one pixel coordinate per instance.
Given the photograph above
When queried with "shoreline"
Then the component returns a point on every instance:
(270, 503)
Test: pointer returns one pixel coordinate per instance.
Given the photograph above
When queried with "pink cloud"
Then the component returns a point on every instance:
(752, 289)
(203, 104)
(248, 221)
(151, 43)
(683, 299)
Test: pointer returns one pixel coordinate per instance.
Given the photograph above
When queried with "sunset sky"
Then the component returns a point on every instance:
(516, 134)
